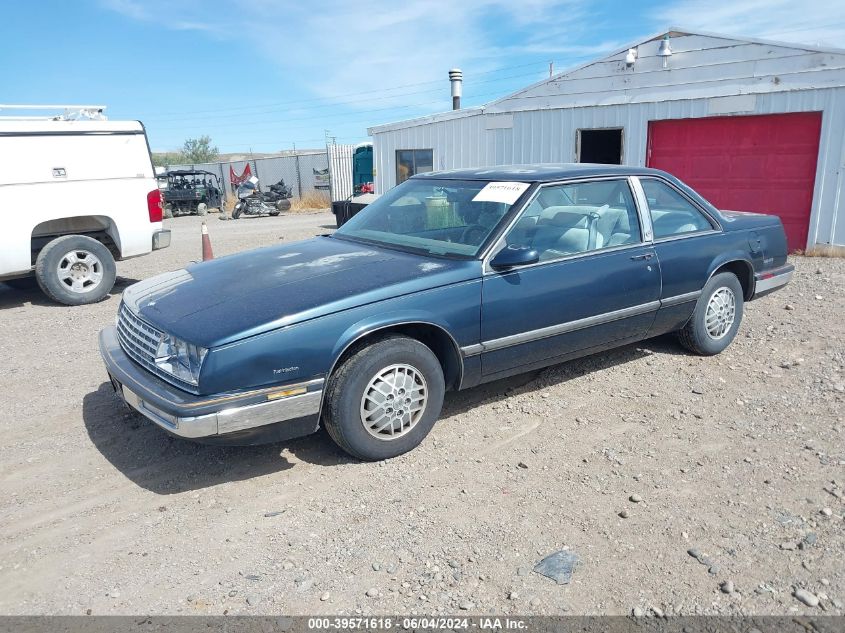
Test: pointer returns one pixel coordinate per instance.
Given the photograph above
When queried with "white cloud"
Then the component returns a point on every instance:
(348, 47)
(813, 22)
(161, 13)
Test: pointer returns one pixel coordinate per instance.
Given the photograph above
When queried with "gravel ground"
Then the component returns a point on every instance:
(683, 484)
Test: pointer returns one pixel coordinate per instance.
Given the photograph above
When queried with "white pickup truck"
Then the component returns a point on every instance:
(75, 195)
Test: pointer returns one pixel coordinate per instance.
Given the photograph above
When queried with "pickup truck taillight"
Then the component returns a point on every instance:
(154, 205)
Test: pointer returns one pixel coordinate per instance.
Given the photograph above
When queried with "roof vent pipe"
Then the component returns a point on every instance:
(665, 50)
(457, 79)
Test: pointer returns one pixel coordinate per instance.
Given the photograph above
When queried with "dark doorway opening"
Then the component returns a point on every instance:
(600, 146)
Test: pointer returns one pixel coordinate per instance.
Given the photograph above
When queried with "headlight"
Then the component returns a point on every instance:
(180, 359)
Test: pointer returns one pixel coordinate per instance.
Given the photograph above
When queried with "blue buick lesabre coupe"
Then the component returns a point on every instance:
(449, 280)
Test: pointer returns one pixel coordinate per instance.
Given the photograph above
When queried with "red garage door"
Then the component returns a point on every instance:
(745, 163)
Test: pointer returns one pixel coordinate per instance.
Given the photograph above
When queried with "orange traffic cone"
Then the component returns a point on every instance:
(207, 253)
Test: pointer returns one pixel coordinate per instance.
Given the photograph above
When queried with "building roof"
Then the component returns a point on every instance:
(541, 94)
(545, 172)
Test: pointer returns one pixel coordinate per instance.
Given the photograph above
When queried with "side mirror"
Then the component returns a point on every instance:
(513, 256)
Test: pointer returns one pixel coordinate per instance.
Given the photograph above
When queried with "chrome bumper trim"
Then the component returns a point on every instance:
(161, 239)
(228, 420)
(781, 277)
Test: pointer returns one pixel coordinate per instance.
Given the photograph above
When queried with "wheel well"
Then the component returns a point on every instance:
(98, 227)
(743, 271)
(432, 336)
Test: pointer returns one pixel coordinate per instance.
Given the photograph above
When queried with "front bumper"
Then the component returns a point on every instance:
(292, 410)
(161, 239)
(771, 280)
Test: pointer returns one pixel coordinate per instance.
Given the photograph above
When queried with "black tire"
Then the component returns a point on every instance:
(236, 212)
(695, 335)
(101, 267)
(274, 214)
(342, 412)
(22, 283)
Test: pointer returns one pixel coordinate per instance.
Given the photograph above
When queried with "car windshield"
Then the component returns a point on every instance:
(439, 217)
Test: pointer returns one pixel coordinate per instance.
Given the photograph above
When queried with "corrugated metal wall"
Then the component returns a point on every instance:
(549, 136)
(340, 168)
(707, 75)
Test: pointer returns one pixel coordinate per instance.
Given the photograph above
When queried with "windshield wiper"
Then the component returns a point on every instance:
(417, 250)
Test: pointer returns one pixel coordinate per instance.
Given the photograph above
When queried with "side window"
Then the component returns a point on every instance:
(410, 162)
(568, 219)
(671, 213)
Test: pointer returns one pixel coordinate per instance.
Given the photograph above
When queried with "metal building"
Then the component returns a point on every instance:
(753, 125)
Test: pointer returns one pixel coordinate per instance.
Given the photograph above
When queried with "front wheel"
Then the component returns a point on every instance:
(718, 313)
(236, 212)
(384, 399)
(75, 270)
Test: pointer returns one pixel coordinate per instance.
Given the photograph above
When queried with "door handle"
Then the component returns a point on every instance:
(643, 257)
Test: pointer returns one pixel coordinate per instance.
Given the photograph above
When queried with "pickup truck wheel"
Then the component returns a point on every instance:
(384, 399)
(718, 313)
(75, 270)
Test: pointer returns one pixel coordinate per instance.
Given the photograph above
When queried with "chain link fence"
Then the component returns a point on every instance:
(306, 173)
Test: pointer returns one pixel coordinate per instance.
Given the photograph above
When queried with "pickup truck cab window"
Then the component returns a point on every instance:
(671, 213)
(568, 219)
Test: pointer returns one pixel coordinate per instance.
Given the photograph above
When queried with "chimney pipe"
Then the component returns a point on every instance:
(457, 79)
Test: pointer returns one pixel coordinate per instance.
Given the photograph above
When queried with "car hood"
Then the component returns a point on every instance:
(223, 300)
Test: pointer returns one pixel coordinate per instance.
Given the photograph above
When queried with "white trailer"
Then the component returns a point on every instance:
(75, 195)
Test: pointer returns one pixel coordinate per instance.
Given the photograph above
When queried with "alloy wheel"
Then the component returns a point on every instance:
(80, 271)
(720, 313)
(393, 401)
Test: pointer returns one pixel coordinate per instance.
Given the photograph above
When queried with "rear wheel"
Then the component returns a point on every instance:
(385, 398)
(75, 270)
(718, 313)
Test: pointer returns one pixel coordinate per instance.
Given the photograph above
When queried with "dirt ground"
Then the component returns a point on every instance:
(683, 484)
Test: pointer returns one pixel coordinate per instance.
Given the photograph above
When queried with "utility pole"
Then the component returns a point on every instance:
(255, 165)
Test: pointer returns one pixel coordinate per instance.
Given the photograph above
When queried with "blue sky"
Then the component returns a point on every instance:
(268, 74)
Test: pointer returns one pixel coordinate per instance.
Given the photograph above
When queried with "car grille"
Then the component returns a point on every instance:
(140, 340)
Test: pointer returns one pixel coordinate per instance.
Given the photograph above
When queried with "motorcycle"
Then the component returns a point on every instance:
(279, 195)
(250, 201)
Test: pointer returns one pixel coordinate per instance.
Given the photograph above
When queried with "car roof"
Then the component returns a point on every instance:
(545, 172)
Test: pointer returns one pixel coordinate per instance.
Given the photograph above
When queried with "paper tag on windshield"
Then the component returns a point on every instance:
(506, 192)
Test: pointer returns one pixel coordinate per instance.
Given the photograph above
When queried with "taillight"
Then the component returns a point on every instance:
(154, 205)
